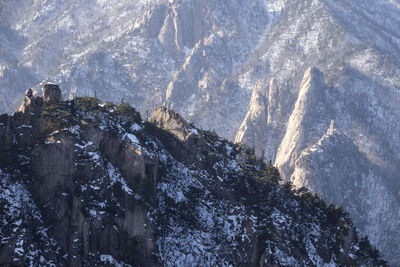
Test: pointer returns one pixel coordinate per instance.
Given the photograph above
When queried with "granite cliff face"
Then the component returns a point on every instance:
(63, 191)
(311, 114)
(89, 183)
(335, 161)
(271, 74)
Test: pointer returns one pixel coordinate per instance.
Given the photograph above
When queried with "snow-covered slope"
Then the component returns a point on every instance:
(237, 67)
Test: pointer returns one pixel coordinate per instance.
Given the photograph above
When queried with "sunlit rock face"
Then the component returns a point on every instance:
(238, 68)
(308, 120)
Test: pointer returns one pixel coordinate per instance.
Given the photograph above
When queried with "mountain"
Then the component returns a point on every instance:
(270, 74)
(89, 183)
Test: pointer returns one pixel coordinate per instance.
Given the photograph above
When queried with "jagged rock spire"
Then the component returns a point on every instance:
(307, 122)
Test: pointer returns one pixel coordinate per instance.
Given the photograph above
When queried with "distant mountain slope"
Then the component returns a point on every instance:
(240, 68)
(89, 183)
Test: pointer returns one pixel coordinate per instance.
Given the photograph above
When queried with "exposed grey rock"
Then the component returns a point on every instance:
(51, 93)
(335, 162)
(257, 110)
(204, 59)
(172, 122)
(31, 104)
(309, 119)
(186, 145)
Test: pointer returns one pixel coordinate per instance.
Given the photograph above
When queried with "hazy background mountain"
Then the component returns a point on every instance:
(312, 84)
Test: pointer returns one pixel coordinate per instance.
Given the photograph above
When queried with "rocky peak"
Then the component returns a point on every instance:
(336, 168)
(31, 103)
(258, 100)
(255, 110)
(30, 106)
(310, 88)
(331, 128)
(308, 121)
(171, 121)
(27, 101)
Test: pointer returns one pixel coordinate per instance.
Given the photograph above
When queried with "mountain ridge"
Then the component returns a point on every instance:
(86, 182)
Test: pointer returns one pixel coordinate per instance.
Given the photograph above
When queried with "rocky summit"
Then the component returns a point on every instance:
(88, 183)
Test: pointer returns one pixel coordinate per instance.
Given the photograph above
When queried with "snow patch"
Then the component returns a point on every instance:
(110, 260)
(116, 177)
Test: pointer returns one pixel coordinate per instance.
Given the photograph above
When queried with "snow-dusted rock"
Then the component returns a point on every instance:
(207, 60)
(334, 167)
(107, 189)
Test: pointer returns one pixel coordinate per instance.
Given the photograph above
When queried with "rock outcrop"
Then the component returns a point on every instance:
(32, 104)
(257, 109)
(51, 93)
(309, 120)
(171, 121)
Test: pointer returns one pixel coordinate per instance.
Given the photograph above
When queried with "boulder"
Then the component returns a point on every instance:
(51, 93)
